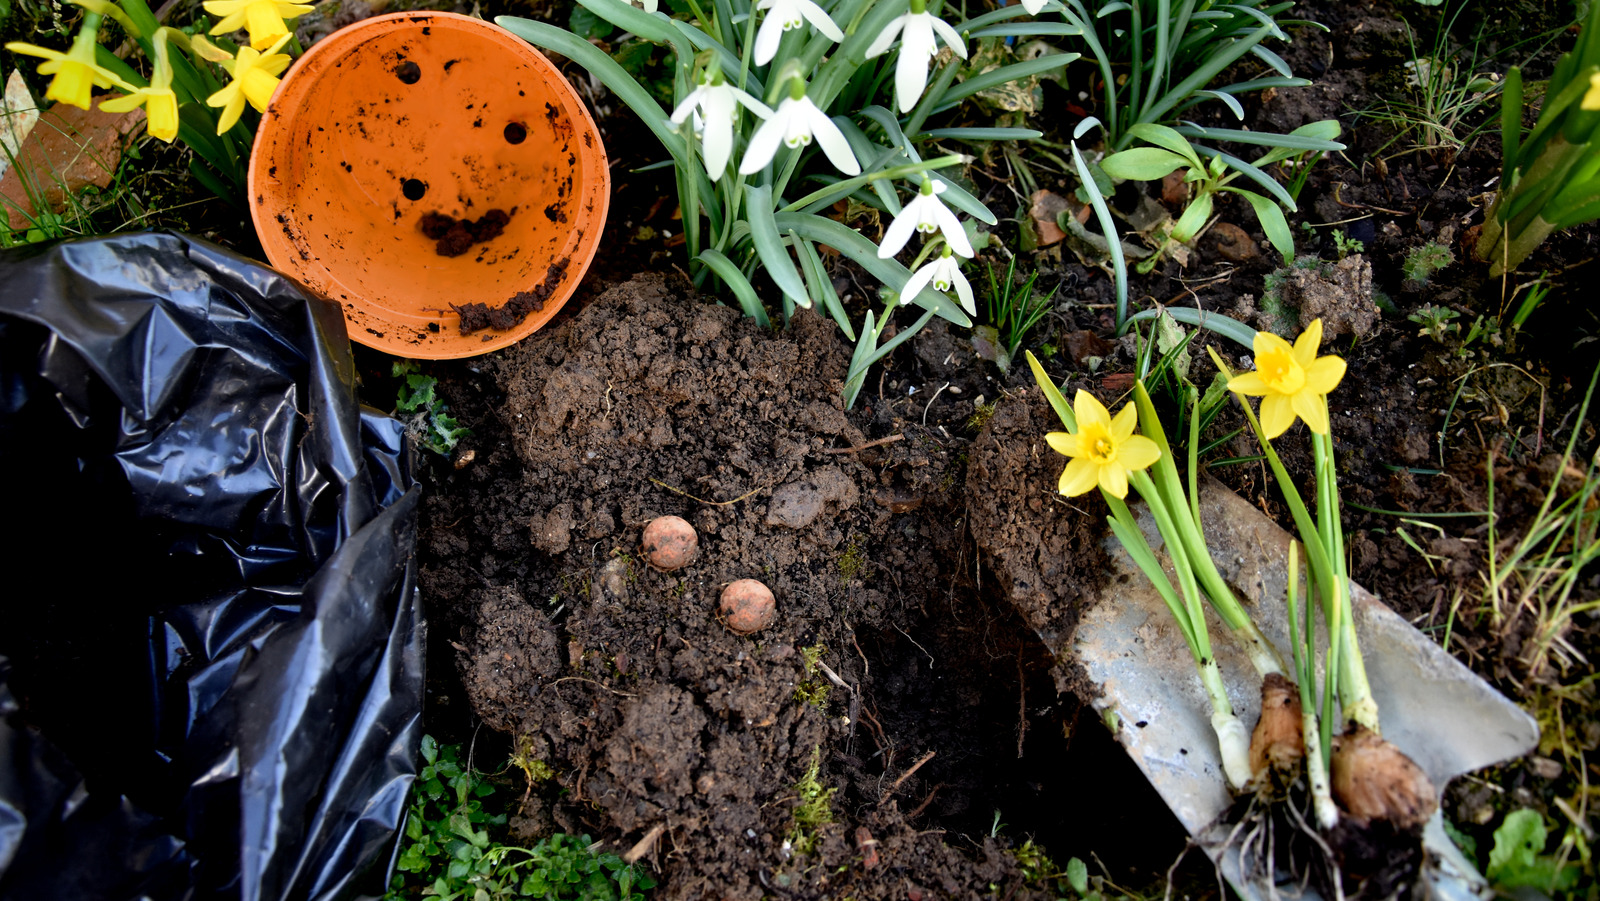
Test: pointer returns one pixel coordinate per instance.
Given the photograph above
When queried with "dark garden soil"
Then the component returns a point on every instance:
(915, 544)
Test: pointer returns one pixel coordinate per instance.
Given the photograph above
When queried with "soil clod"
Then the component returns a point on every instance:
(456, 236)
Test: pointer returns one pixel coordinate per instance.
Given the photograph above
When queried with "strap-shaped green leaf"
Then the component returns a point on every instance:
(769, 244)
(1006, 74)
(1272, 222)
(821, 285)
(737, 283)
(1232, 329)
(1142, 164)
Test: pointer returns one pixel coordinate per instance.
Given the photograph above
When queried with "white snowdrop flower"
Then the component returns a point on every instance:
(942, 273)
(925, 213)
(1033, 6)
(714, 105)
(917, 30)
(795, 123)
(785, 15)
(650, 6)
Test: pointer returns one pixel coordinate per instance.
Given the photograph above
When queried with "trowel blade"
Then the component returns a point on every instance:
(1433, 708)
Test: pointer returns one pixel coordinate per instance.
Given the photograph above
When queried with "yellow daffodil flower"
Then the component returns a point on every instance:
(159, 102)
(1291, 381)
(262, 18)
(255, 77)
(1103, 451)
(75, 71)
(1591, 97)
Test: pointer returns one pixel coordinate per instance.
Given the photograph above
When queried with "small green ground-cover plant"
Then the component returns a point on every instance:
(447, 852)
(428, 417)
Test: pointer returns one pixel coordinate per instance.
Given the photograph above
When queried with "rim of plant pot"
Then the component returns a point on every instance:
(381, 158)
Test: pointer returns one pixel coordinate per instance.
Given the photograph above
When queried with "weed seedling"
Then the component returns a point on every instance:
(446, 851)
(1435, 322)
(1345, 246)
(1422, 262)
(427, 416)
(814, 809)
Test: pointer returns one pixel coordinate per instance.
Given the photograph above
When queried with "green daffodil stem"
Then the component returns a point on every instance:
(1355, 693)
(1303, 643)
(1186, 525)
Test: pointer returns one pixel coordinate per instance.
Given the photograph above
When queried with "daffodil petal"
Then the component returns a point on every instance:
(1313, 408)
(1307, 345)
(161, 115)
(1277, 414)
(1123, 424)
(1248, 383)
(1138, 452)
(1114, 479)
(1063, 443)
(1079, 477)
(1090, 411)
(1267, 343)
(123, 104)
(1324, 375)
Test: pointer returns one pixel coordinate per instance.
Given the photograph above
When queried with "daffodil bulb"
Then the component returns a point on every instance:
(919, 32)
(796, 121)
(787, 15)
(943, 272)
(714, 104)
(925, 213)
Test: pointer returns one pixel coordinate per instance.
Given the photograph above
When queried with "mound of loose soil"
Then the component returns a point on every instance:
(659, 722)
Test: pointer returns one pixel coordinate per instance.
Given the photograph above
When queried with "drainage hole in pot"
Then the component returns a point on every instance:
(408, 72)
(413, 188)
(516, 133)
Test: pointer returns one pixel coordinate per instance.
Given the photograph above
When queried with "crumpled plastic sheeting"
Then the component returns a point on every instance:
(211, 643)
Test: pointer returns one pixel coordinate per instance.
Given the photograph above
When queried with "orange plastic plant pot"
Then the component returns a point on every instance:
(405, 115)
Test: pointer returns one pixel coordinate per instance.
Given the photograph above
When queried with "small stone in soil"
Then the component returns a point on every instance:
(669, 543)
(456, 236)
(478, 316)
(748, 606)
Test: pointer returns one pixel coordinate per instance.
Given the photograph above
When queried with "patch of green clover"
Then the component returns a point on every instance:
(427, 416)
(1519, 860)
(447, 852)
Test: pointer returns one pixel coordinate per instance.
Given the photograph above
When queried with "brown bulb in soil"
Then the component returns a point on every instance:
(1373, 780)
(669, 543)
(1278, 743)
(748, 606)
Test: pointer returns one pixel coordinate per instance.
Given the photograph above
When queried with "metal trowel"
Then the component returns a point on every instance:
(1433, 708)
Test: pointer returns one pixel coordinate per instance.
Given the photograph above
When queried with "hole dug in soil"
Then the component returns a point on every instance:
(656, 718)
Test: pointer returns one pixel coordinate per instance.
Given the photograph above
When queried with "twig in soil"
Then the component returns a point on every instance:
(925, 802)
(1362, 206)
(906, 775)
(861, 447)
(1022, 704)
(930, 403)
(691, 497)
(833, 676)
(931, 661)
(592, 682)
(643, 846)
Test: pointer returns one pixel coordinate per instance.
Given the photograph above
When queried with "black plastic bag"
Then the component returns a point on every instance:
(211, 643)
